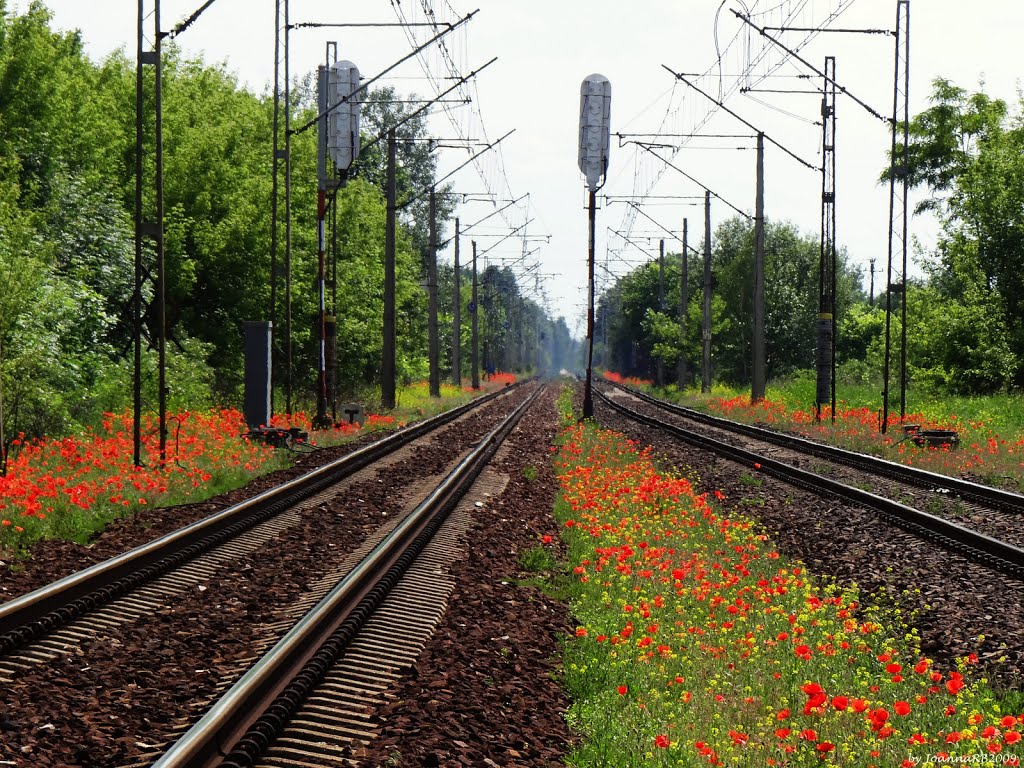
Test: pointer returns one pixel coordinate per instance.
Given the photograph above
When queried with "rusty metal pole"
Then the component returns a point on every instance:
(759, 364)
(457, 313)
(432, 340)
(475, 309)
(705, 385)
(387, 385)
(588, 392)
(683, 373)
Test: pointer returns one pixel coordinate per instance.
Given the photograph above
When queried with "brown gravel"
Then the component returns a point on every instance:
(959, 607)
(483, 692)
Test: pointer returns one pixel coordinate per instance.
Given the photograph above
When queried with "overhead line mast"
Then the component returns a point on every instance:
(898, 189)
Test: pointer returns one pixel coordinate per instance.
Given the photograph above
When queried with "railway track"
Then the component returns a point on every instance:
(987, 496)
(856, 478)
(110, 599)
(302, 700)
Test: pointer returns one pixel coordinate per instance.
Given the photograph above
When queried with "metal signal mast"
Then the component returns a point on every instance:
(898, 209)
(826, 335)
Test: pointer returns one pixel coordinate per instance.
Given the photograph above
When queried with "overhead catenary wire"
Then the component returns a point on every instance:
(506, 237)
(761, 62)
(742, 120)
(381, 136)
(378, 76)
(449, 64)
(700, 184)
(802, 60)
(666, 229)
(451, 173)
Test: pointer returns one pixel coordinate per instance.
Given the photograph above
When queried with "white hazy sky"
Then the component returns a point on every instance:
(545, 49)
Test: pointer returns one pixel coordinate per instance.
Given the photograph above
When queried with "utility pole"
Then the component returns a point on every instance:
(660, 369)
(595, 139)
(457, 322)
(475, 309)
(683, 301)
(898, 209)
(280, 20)
(760, 363)
(387, 384)
(339, 128)
(705, 385)
(588, 392)
(152, 228)
(287, 215)
(434, 351)
(321, 421)
(871, 294)
(825, 331)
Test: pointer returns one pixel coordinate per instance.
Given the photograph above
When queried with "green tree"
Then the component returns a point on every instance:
(791, 297)
(416, 154)
(967, 152)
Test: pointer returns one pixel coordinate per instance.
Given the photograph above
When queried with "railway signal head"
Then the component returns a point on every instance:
(343, 121)
(595, 127)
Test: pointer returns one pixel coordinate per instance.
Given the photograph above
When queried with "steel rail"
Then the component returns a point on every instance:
(245, 721)
(986, 550)
(996, 497)
(43, 610)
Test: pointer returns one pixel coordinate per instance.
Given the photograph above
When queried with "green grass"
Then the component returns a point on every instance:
(991, 447)
(698, 643)
(537, 559)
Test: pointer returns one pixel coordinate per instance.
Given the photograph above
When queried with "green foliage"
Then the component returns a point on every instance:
(969, 154)
(417, 162)
(67, 208)
(791, 297)
(636, 333)
(564, 404)
(537, 559)
(633, 332)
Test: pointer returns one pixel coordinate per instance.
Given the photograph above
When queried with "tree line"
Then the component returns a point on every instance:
(67, 185)
(965, 314)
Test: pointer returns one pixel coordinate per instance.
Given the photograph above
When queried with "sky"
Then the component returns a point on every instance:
(545, 50)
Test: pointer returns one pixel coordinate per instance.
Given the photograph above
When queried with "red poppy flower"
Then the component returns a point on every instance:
(878, 718)
(901, 708)
(661, 740)
(622, 690)
(955, 685)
